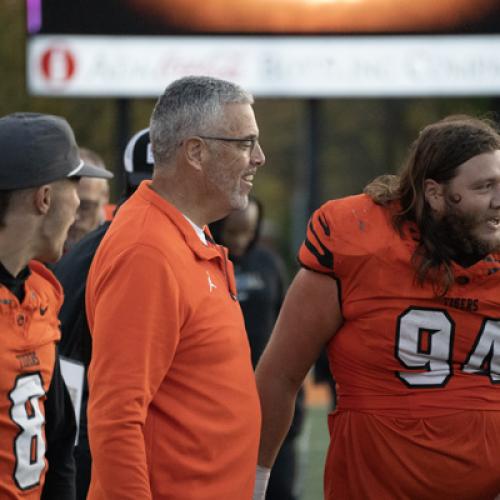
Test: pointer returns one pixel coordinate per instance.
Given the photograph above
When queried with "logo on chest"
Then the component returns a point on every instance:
(463, 303)
(28, 359)
(211, 285)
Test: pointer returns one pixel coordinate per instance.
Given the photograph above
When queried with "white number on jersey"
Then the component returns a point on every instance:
(424, 342)
(29, 444)
(486, 352)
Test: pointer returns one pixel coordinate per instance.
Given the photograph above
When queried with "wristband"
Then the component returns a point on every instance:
(261, 479)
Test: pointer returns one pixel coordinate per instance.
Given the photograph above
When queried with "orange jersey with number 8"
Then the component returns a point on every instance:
(27, 355)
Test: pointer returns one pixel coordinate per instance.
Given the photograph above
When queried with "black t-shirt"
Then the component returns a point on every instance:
(260, 281)
(72, 271)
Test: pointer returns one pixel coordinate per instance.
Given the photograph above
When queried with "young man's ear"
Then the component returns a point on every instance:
(42, 198)
(434, 195)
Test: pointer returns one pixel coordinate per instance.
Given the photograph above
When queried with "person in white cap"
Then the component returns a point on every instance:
(38, 201)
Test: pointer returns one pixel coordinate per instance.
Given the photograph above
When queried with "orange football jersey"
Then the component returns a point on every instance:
(27, 354)
(418, 412)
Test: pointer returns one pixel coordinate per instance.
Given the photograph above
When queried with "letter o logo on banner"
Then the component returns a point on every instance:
(57, 64)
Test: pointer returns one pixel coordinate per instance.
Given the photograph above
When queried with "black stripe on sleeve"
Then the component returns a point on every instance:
(324, 258)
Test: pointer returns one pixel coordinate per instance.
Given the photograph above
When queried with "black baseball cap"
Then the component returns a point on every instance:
(138, 158)
(37, 149)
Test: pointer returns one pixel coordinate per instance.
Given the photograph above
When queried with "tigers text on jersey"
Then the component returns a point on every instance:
(173, 410)
(418, 411)
(27, 354)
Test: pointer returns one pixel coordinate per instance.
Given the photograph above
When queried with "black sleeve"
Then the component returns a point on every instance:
(60, 431)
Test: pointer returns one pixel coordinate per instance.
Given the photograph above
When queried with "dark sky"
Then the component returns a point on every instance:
(103, 17)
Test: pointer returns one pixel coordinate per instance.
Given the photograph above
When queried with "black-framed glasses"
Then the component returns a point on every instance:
(247, 142)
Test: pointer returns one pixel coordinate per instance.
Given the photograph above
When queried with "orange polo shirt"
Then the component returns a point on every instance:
(109, 210)
(173, 409)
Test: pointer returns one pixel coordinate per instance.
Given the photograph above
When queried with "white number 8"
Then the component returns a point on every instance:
(29, 445)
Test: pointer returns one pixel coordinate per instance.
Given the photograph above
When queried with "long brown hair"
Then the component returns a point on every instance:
(436, 154)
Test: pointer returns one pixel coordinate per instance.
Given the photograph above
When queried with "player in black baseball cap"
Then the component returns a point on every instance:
(40, 154)
(39, 163)
(38, 149)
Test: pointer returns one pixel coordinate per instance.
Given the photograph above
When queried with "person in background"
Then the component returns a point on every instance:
(94, 197)
(261, 284)
(402, 285)
(39, 173)
(72, 270)
(173, 409)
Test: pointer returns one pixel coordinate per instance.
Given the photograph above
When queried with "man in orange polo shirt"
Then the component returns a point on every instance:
(173, 409)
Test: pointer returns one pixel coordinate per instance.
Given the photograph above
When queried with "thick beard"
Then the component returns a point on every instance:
(455, 232)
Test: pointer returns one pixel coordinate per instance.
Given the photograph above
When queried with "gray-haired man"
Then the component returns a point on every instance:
(173, 409)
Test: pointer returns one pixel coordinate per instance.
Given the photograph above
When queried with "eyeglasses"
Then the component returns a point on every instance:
(247, 143)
